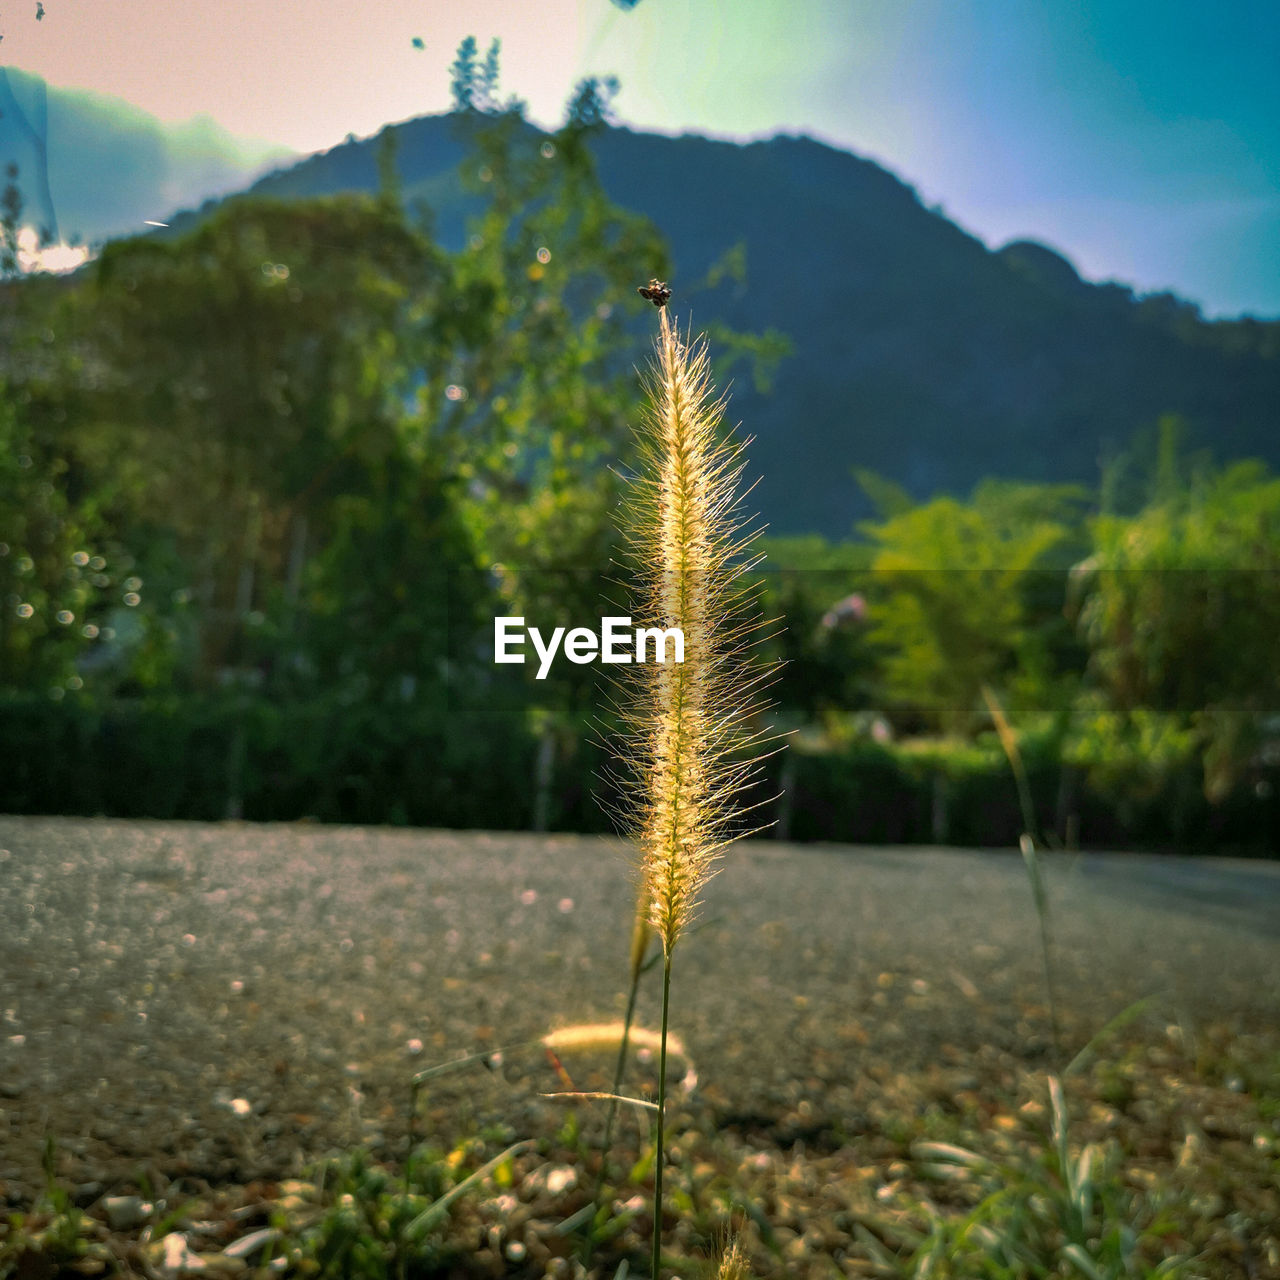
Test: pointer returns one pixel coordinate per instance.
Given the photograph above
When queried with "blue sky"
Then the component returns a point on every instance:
(1139, 137)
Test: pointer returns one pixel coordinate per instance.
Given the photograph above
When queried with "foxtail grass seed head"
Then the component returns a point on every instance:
(690, 725)
(597, 1037)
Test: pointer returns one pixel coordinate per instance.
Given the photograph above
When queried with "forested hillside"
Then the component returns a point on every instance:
(915, 350)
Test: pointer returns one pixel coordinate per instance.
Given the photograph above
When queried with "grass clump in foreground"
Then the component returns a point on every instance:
(1169, 1165)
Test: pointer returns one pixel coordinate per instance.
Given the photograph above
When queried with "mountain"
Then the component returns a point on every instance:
(918, 352)
(112, 166)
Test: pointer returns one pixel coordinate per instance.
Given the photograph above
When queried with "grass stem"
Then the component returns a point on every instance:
(662, 1115)
(1028, 845)
(611, 1118)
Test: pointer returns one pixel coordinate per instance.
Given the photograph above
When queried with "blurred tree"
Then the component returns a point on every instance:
(959, 598)
(329, 444)
(813, 589)
(591, 103)
(462, 76)
(70, 594)
(52, 602)
(244, 377)
(474, 85)
(1180, 607)
(539, 387)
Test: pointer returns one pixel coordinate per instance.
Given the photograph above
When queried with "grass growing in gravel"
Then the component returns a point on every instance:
(1160, 1157)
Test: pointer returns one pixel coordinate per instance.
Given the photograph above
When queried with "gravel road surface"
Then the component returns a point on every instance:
(228, 1001)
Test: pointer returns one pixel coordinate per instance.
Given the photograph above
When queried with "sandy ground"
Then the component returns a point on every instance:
(230, 1001)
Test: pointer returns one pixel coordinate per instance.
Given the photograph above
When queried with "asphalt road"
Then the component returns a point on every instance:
(233, 998)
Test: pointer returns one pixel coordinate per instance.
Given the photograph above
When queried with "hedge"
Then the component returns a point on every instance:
(474, 765)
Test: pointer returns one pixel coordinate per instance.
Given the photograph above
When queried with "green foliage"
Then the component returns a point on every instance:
(955, 595)
(375, 1227)
(1180, 606)
(1182, 602)
(541, 392)
(1132, 753)
(1044, 1207)
(47, 584)
(75, 608)
(52, 1237)
(256, 376)
(328, 756)
(332, 452)
(811, 589)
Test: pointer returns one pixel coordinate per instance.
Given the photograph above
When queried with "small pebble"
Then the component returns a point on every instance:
(125, 1212)
(252, 1243)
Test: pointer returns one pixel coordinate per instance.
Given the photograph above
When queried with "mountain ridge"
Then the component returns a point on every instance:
(918, 351)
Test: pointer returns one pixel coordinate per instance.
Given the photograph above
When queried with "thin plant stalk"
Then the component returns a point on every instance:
(415, 1087)
(1041, 899)
(660, 1149)
(620, 1067)
(641, 932)
(1030, 857)
(639, 946)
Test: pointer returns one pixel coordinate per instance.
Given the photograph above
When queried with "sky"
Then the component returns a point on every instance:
(1140, 138)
